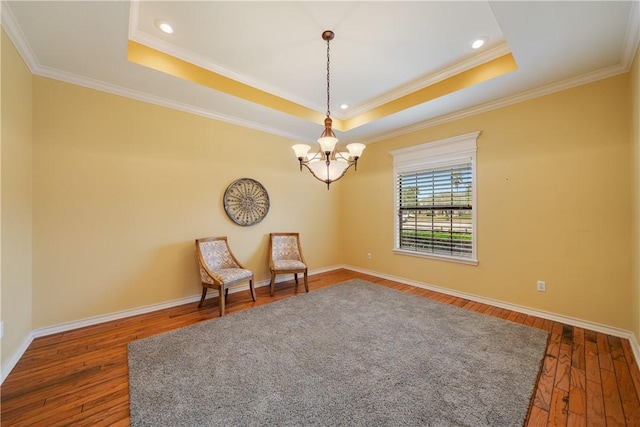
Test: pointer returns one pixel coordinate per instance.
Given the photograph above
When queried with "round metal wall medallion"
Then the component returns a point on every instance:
(246, 201)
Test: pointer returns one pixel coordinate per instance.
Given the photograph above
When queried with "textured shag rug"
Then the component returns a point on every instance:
(351, 354)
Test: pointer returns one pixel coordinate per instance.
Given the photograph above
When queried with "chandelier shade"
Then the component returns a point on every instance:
(328, 164)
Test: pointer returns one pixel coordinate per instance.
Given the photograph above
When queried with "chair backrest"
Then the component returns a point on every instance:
(214, 253)
(285, 246)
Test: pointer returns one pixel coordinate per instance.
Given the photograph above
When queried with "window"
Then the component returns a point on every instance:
(435, 199)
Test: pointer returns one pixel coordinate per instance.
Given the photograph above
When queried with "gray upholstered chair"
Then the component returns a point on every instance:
(219, 269)
(285, 257)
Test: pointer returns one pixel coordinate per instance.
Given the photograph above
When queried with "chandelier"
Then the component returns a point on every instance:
(328, 164)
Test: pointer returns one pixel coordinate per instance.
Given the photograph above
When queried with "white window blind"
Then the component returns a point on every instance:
(435, 211)
(435, 199)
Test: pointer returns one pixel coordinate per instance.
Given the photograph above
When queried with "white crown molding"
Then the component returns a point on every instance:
(156, 43)
(591, 77)
(24, 48)
(153, 42)
(134, 13)
(200, 61)
(632, 40)
(630, 47)
(135, 34)
(486, 56)
(13, 30)
(632, 37)
(157, 100)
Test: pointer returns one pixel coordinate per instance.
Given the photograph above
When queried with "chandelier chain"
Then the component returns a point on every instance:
(328, 83)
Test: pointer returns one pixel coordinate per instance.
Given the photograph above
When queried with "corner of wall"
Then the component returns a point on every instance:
(635, 190)
(16, 189)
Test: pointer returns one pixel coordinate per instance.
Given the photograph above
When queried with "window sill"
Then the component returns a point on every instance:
(467, 261)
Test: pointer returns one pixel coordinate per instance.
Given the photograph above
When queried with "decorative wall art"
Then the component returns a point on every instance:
(246, 201)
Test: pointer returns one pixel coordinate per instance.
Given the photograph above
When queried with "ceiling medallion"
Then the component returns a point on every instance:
(328, 164)
(246, 201)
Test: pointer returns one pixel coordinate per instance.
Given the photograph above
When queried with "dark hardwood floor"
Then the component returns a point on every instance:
(80, 377)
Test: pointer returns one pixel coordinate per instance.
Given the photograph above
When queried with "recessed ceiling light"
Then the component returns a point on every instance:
(344, 106)
(479, 42)
(164, 26)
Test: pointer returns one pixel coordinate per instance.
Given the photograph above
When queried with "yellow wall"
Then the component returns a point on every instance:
(16, 199)
(635, 191)
(122, 188)
(553, 204)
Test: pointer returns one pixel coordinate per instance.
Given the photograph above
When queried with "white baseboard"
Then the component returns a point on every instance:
(585, 324)
(67, 326)
(8, 366)
(63, 327)
(41, 332)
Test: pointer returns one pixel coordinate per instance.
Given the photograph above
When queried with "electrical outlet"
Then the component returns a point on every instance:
(369, 256)
(542, 286)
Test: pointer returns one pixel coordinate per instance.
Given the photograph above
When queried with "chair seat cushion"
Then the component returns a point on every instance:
(288, 264)
(227, 275)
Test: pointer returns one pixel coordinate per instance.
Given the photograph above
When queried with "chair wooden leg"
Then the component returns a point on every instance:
(253, 291)
(221, 298)
(273, 282)
(204, 294)
(306, 282)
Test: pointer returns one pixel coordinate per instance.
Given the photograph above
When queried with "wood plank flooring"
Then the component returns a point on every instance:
(80, 377)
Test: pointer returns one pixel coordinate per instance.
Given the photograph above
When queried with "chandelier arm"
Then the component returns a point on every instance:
(306, 165)
(327, 181)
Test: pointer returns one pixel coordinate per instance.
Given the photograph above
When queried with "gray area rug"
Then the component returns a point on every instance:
(351, 354)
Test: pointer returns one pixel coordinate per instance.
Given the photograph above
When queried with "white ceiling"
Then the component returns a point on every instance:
(382, 51)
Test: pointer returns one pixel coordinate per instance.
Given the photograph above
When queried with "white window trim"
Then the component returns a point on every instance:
(441, 153)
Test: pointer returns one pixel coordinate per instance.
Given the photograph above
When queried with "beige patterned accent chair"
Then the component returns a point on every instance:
(219, 269)
(285, 257)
